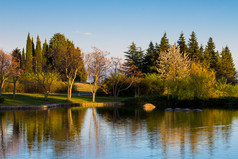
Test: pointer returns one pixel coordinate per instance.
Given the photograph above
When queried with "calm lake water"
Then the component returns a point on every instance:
(118, 133)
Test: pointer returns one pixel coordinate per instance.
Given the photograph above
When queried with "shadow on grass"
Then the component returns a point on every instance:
(38, 99)
(31, 99)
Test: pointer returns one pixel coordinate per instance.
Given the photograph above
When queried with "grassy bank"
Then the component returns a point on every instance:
(164, 101)
(38, 99)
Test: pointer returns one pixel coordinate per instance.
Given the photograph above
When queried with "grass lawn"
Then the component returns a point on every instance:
(38, 99)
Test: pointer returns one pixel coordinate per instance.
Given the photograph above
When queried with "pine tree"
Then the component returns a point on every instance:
(157, 53)
(16, 54)
(29, 54)
(38, 55)
(182, 44)
(227, 68)
(23, 58)
(201, 53)
(150, 59)
(193, 48)
(211, 56)
(134, 57)
(164, 43)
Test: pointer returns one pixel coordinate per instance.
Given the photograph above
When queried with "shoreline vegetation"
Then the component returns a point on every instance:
(166, 102)
(36, 102)
(168, 76)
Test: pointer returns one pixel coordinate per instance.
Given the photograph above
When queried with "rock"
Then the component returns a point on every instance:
(148, 107)
(186, 110)
(168, 109)
(197, 110)
(177, 109)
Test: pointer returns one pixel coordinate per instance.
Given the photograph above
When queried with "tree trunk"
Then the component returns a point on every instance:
(46, 96)
(115, 97)
(14, 89)
(94, 93)
(1, 86)
(69, 91)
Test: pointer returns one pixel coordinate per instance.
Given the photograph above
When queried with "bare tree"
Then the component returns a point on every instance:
(120, 81)
(97, 65)
(46, 79)
(5, 64)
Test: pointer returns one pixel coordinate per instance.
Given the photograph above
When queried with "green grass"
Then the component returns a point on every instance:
(38, 99)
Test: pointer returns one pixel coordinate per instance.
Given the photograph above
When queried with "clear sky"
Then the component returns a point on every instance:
(112, 25)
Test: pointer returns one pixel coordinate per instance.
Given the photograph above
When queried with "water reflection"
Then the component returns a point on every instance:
(117, 132)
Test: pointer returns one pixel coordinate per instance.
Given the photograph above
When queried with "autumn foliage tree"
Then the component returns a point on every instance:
(97, 64)
(5, 65)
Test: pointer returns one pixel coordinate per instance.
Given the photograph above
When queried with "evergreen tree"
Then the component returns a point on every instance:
(23, 58)
(164, 43)
(33, 47)
(157, 53)
(182, 44)
(201, 53)
(16, 54)
(227, 68)
(193, 48)
(45, 50)
(29, 54)
(34, 56)
(211, 56)
(38, 55)
(58, 43)
(150, 59)
(134, 57)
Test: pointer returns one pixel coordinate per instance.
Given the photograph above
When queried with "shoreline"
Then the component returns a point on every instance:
(61, 105)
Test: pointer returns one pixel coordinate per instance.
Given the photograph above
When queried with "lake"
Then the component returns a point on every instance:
(118, 132)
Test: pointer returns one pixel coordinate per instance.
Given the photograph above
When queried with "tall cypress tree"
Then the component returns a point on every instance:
(182, 44)
(45, 50)
(227, 67)
(193, 48)
(38, 55)
(134, 57)
(164, 43)
(150, 59)
(34, 55)
(29, 54)
(23, 59)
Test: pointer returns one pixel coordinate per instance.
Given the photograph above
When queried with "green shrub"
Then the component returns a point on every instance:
(152, 84)
(224, 89)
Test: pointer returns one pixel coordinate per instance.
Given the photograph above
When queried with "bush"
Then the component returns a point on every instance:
(224, 89)
(2, 99)
(152, 84)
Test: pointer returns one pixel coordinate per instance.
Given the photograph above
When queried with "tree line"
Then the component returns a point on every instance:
(39, 66)
(146, 61)
(183, 70)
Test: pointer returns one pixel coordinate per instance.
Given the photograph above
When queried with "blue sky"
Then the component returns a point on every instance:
(112, 25)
